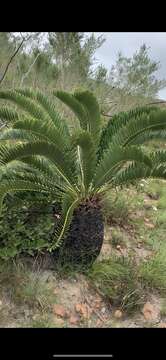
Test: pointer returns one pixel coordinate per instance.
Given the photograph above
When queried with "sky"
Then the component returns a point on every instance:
(128, 43)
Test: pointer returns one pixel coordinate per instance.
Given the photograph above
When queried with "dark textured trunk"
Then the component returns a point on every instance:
(83, 243)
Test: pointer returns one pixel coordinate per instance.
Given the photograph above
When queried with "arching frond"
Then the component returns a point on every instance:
(154, 121)
(116, 156)
(117, 122)
(69, 204)
(64, 166)
(49, 107)
(71, 101)
(44, 130)
(24, 103)
(19, 185)
(86, 156)
(18, 134)
(9, 114)
(88, 100)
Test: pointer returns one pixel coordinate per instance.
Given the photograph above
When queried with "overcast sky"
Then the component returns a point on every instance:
(128, 43)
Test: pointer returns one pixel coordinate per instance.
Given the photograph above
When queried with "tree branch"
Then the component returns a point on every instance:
(10, 60)
(27, 73)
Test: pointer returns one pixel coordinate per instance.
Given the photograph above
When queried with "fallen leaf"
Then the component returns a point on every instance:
(162, 325)
(149, 311)
(59, 310)
(83, 310)
(118, 314)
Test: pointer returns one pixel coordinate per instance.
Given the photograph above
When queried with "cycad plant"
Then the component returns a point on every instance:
(39, 151)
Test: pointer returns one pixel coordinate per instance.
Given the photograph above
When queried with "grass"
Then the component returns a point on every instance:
(153, 271)
(115, 207)
(116, 280)
(25, 287)
(118, 237)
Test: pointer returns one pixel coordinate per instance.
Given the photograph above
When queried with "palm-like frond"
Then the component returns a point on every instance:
(64, 166)
(156, 120)
(49, 108)
(117, 122)
(86, 108)
(115, 156)
(86, 155)
(38, 152)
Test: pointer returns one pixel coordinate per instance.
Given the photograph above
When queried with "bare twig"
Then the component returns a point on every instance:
(157, 102)
(107, 115)
(27, 73)
(10, 60)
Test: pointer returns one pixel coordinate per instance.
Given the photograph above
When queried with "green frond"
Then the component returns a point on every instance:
(47, 170)
(88, 100)
(42, 130)
(117, 122)
(8, 186)
(86, 108)
(116, 157)
(86, 156)
(133, 173)
(64, 166)
(24, 103)
(156, 120)
(18, 134)
(6, 113)
(18, 170)
(49, 107)
(75, 105)
(148, 136)
(69, 204)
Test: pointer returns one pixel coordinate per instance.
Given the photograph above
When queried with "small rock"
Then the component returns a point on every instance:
(118, 314)
(150, 312)
(103, 310)
(73, 320)
(59, 310)
(118, 247)
(150, 226)
(154, 208)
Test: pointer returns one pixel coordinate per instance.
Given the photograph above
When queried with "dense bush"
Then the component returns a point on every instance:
(26, 229)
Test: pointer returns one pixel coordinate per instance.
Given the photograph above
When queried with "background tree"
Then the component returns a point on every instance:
(137, 75)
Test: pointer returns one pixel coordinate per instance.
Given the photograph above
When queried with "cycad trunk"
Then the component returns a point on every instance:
(85, 237)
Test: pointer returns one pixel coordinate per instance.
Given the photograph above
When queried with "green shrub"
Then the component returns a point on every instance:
(116, 280)
(27, 229)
